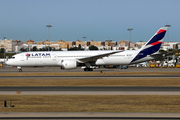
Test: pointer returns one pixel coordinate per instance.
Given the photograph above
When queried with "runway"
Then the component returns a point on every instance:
(88, 115)
(58, 70)
(88, 88)
(90, 77)
(89, 93)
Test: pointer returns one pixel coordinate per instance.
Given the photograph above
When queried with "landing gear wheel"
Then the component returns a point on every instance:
(20, 70)
(88, 69)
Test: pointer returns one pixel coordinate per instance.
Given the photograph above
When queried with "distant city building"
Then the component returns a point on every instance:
(168, 45)
(63, 45)
(17, 45)
(8, 45)
(30, 41)
(140, 44)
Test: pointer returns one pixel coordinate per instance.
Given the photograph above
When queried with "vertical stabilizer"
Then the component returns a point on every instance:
(153, 45)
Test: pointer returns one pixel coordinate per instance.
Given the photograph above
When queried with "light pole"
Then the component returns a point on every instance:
(84, 42)
(4, 50)
(48, 34)
(167, 43)
(17, 43)
(4, 55)
(129, 29)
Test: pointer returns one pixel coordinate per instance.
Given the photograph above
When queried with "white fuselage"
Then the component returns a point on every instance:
(54, 58)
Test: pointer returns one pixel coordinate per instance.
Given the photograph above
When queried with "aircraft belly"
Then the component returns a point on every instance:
(117, 61)
(113, 61)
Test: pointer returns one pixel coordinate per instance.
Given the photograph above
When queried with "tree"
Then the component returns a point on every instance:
(58, 49)
(2, 50)
(45, 49)
(7, 54)
(79, 47)
(170, 50)
(162, 51)
(73, 49)
(23, 50)
(176, 47)
(34, 48)
(92, 47)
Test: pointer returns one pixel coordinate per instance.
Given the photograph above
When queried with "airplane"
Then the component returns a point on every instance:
(73, 59)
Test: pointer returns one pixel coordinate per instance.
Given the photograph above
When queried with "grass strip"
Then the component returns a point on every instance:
(92, 82)
(92, 103)
(89, 73)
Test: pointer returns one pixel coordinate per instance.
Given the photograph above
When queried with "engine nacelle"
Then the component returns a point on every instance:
(68, 64)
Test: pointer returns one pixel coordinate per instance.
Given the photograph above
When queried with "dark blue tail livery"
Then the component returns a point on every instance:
(153, 45)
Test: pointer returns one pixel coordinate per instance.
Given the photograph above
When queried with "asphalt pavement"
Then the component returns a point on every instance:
(90, 90)
(57, 69)
(87, 88)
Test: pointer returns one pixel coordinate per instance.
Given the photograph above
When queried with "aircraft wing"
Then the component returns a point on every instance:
(95, 57)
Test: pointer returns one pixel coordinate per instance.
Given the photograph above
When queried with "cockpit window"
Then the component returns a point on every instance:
(12, 57)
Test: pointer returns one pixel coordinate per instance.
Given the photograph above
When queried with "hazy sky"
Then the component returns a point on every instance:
(99, 20)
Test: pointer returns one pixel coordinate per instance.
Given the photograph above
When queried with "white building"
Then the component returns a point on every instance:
(168, 45)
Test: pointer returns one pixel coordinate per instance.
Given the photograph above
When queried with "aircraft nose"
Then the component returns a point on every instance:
(7, 62)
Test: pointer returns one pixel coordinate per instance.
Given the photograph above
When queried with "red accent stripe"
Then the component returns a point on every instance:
(155, 43)
(160, 31)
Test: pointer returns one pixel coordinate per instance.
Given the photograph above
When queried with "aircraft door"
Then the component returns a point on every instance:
(22, 57)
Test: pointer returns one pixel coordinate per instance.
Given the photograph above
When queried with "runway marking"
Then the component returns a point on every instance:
(90, 88)
(88, 93)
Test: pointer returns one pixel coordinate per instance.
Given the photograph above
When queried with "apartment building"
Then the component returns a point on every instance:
(8, 45)
(63, 45)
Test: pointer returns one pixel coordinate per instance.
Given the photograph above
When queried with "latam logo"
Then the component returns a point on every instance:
(27, 54)
(38, 55)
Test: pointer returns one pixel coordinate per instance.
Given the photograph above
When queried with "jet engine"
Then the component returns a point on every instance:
(68, 64)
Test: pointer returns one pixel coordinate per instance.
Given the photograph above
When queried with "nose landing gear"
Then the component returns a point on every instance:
(20, 70)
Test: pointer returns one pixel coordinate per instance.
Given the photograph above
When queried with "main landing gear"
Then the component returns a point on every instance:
(88, 69)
